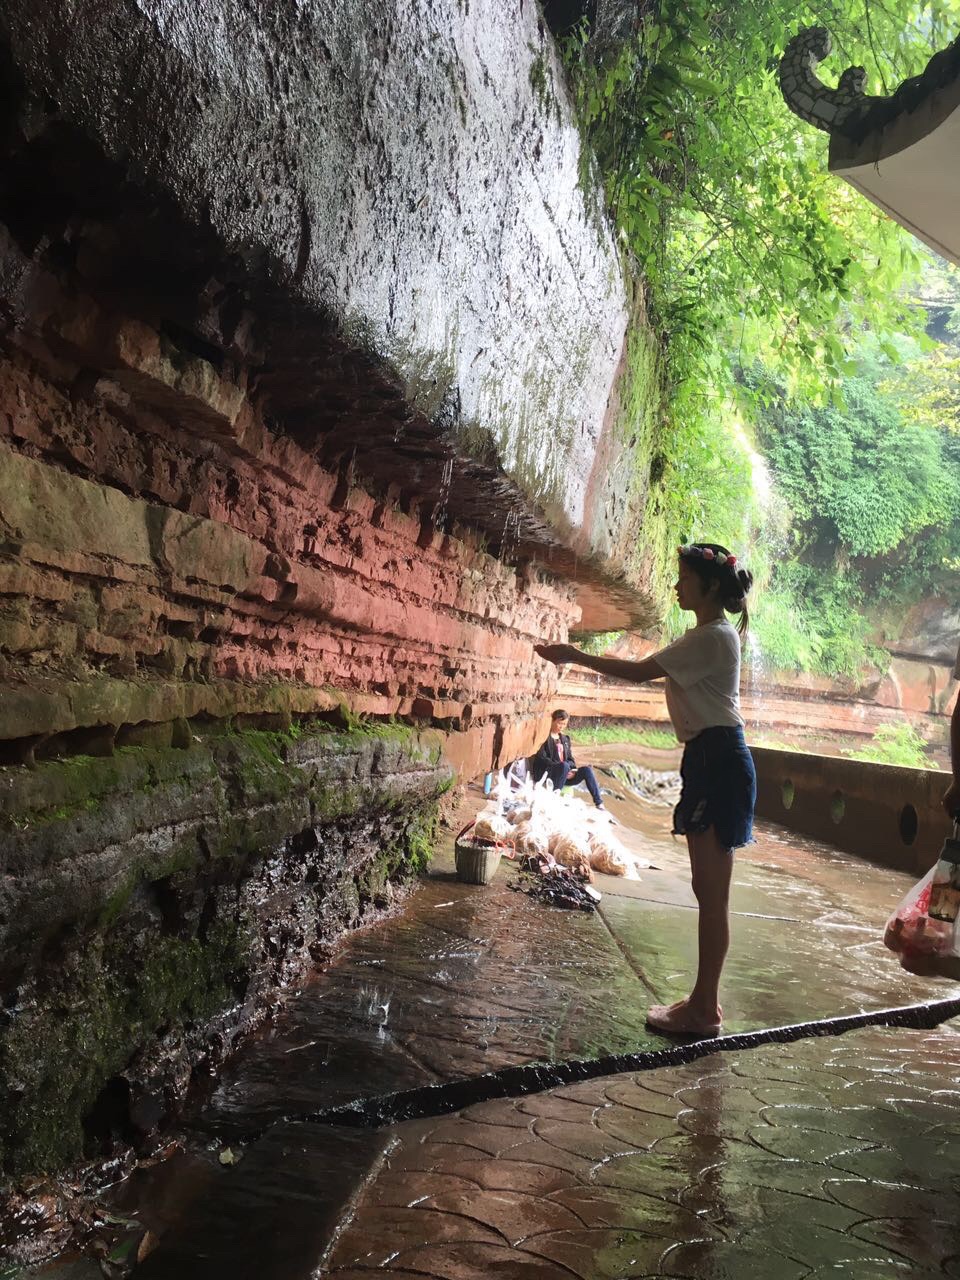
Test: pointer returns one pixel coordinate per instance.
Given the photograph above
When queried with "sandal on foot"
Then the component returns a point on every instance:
(674, 1021)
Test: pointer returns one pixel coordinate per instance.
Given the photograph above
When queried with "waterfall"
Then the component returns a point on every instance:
(756, 673)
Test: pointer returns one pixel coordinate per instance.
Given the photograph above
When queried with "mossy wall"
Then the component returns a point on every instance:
(154, 902)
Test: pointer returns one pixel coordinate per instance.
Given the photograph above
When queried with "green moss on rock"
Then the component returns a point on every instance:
(420, 839)
(109, 1000)
(153, 886)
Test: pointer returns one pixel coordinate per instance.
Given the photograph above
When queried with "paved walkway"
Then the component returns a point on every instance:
(470, 979)
(671, 1172)
(832, 1156)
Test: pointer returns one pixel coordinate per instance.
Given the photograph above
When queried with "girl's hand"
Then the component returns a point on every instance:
(557, 653)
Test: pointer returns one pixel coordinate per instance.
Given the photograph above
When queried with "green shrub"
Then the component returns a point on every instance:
(752, 256)
(896, 744)
(814, 618)
(601, 735)
(596, 642)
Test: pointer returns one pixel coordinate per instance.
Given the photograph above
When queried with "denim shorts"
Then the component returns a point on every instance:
(719, 787)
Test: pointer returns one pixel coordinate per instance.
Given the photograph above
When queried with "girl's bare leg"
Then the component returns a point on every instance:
(700, 1013)
(712, 868)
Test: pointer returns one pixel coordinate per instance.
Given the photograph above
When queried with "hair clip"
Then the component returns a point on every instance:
(707, 553)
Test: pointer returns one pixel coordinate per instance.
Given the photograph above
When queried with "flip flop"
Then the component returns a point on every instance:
(675, 1022)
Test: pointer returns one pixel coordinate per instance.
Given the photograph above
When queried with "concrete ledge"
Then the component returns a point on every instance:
(886, 813)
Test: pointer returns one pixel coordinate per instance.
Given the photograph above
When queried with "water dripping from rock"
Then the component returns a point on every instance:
(443, 502)
(510, 539)
(756, 676)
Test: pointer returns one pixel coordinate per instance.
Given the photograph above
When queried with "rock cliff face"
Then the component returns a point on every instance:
(923, 658)
(318, 305)
(311, 346)
(383, 205)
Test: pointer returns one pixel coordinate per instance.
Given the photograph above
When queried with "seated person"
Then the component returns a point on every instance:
(555, 761)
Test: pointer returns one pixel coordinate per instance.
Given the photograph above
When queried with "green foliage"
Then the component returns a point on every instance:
(703, 484)
(754, 253)
(641, 412)
(856, 475)
(780, 634)
(751, 248)
(541, 82)
(812, 618)
(896, 744)
(757, 258)
(873, 495)
(598, 641)
(603, 734)
(927, 388)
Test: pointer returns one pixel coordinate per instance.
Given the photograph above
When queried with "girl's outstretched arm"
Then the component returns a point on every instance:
(618, 668)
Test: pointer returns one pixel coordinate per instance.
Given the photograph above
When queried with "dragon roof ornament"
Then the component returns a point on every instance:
(805, 93)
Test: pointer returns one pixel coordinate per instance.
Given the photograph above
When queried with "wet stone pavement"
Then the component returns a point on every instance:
(836, 1155)
(820, 1158)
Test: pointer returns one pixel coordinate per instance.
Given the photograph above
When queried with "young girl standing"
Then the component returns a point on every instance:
(715, 813)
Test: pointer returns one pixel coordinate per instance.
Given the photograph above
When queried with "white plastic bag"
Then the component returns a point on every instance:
(609, 856)
(912, 932)
(571, 852)
(490, 826)
(531, 839)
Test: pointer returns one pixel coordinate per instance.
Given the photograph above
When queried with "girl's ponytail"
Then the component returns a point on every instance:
(736, 601)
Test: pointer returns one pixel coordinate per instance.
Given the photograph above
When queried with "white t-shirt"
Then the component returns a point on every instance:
(703, 678)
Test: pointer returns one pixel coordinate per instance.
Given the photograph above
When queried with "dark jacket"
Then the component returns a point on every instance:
(548, 755)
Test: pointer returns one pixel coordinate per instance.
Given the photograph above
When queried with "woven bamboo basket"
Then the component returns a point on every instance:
(476, 863)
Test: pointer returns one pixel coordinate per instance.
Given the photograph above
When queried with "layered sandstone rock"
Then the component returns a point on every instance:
(345, 319)
(386, 207)
(167, 557)
(185, 599)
